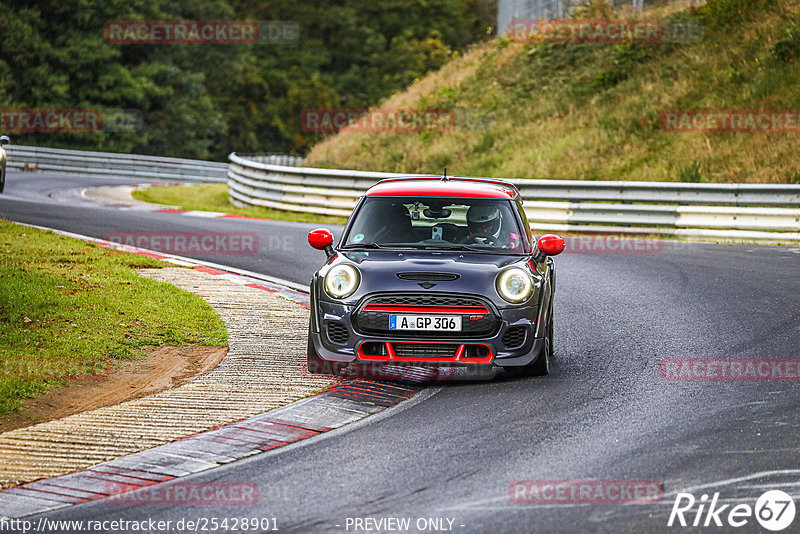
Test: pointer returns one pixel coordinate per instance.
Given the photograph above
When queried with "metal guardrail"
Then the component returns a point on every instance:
(754, 212)
(113, 164)
(275, 159)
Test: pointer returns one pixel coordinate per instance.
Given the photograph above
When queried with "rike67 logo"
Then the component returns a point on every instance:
(774, 511)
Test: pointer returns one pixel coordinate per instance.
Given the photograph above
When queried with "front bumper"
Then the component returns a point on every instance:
(511, 341)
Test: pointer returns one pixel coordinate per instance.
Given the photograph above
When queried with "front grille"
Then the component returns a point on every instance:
(337, 333)
(514, 337)
(427, 300)
(428, 277)
(378, 322)
(424, 350)
(472, 324)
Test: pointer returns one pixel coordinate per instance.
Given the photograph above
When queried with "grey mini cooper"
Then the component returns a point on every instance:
(434, 272)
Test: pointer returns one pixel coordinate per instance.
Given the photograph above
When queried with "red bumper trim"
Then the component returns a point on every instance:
(459, 310)
(460, 355)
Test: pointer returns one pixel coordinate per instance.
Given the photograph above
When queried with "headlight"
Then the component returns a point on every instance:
(341, 281)
(514, 285)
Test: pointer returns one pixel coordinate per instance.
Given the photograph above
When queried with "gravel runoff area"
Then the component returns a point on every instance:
(262, 371)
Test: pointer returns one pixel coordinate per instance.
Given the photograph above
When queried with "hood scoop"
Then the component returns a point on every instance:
(428, 277)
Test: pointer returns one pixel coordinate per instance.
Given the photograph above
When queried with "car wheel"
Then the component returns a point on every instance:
(313, 361)
(316, 365)
(2, 180)
(541, 365)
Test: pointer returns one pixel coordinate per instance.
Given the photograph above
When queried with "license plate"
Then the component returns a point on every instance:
(442, 323)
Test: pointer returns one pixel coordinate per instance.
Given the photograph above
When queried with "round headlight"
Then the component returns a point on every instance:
(341, 281)
(514, 285)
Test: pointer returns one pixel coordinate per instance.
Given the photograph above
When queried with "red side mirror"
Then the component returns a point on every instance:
(320, 238)
(551, 245)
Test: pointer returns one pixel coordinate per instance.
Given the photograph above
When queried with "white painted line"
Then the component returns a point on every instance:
(204, 214)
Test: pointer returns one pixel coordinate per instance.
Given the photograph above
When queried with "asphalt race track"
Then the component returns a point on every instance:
(603, 414)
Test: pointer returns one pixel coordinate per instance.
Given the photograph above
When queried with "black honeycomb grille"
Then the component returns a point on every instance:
(424, 350)
(337, 333)
(514, 337)
(427, 300)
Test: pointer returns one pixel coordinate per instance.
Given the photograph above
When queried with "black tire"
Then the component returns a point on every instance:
(2, 180)
(313, 361)
(541, 365)
(316, 365)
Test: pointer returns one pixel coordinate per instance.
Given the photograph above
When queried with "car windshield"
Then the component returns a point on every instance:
(480, 225)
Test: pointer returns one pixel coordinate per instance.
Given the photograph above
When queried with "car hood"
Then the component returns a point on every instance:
(476, 271)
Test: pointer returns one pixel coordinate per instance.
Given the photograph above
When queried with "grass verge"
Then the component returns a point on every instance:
(70, 308)
(214, 197)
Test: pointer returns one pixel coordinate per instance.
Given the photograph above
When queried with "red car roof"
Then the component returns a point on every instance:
(436, 187)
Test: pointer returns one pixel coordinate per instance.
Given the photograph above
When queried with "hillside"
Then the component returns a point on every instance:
(594, 111)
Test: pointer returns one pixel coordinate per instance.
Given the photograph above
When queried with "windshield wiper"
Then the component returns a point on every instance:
(354, 246)
(455, 247)
(363, 245)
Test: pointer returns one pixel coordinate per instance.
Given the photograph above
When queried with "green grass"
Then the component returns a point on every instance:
(214, 197)
(592, 111)
(67, 305)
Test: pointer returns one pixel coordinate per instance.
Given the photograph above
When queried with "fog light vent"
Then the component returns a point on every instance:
(373, 348)
(514, 337)
(337, 333)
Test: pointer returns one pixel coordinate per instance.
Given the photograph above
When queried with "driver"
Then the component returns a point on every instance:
(484, 223)
(485, 226)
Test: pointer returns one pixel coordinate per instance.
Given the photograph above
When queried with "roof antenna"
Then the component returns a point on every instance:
(445, 178)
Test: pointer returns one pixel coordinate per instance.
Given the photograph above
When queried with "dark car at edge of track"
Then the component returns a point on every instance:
(4, 140)
(434, 272)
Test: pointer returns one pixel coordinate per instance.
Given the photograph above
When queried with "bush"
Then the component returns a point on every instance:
(726, 14)
(788, 48)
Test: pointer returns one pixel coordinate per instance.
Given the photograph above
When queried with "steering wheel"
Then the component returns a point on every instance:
(488, 239)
